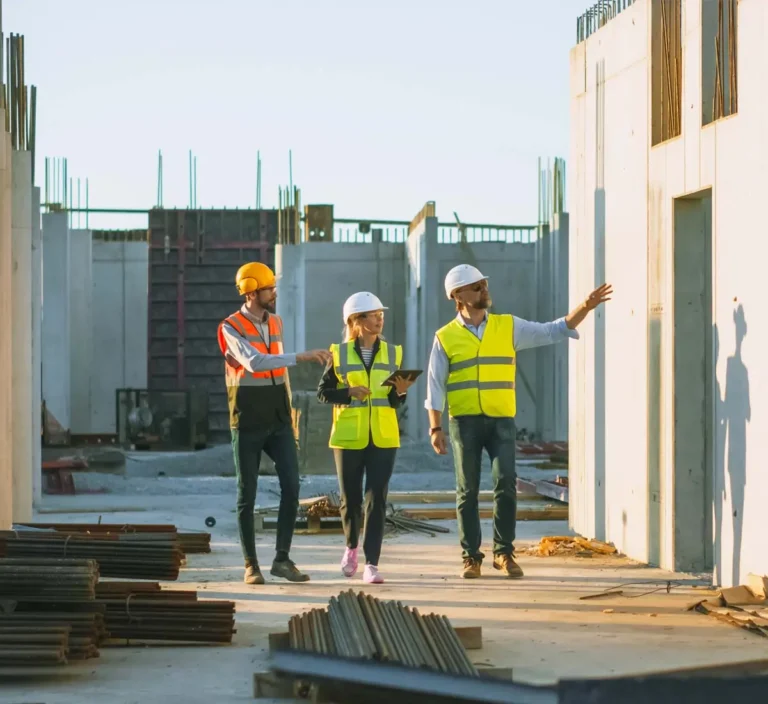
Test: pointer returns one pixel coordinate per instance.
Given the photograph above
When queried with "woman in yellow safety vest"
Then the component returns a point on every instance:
(365, 433)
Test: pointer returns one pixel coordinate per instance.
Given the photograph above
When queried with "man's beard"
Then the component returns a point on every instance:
(483, 303)
(271, 306)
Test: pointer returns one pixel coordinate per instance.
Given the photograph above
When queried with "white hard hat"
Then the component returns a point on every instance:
(361, 302)
(462, 275)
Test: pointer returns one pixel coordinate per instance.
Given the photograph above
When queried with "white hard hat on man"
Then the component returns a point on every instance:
(460, 276)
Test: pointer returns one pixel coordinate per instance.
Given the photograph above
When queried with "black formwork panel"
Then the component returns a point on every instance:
(194, 255)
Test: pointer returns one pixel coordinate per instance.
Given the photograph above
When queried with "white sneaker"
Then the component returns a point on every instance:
(371, 575)
(349, 562)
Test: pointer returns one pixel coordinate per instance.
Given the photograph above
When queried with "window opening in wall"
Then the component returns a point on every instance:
(719, 45)
(666, 70)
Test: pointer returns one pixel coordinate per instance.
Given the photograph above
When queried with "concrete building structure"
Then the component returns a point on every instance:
(667, 430)
(81, 292)
(56, 334)
(37, 348)
(6, 329)
(22, 389)
(118, 325)
(94, 324)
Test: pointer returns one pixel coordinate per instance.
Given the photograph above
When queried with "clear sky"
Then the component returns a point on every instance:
(385, 105)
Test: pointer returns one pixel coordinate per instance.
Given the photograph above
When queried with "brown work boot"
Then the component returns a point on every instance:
(471, 568)
(507, 564)
(253, 575)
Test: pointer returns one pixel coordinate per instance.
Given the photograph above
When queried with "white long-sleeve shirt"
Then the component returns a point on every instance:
(526, 335)
(247, 355)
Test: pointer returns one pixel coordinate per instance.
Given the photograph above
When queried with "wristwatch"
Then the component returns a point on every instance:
(432, 431)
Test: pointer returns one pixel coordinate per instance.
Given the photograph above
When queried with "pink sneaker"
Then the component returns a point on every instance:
(349, 562)
(371, 575)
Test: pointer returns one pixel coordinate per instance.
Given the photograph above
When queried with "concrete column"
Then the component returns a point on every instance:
(37, 347)
(422, 315)
(21, 225)
(55, 330)
(560, 224)
(6, 332)
(81, 329)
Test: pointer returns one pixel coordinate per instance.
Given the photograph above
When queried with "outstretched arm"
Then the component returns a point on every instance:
(581, 311)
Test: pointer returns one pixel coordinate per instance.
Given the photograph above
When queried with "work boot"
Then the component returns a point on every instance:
(507, 564)
(471, 568)
(253, 575)
(349, 562)
(371, 575)
(288, 570)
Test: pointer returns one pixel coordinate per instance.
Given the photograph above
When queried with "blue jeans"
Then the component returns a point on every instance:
(470, 435)
(279, 443)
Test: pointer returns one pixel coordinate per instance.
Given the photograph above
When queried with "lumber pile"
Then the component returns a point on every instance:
(570, 545)
(745, 606)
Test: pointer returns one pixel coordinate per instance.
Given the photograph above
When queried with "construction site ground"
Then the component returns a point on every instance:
(538, 626)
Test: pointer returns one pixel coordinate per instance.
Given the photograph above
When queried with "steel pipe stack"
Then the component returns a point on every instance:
(359, 626)
(125, 555)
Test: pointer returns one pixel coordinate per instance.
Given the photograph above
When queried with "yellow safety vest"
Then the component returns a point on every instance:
(356, 423)
(481, 373)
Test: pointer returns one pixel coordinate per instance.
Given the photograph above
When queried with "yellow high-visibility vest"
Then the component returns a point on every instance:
(481, 373)
(356, 423)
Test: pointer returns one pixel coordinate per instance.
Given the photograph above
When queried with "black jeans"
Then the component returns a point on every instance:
(470, 435)
(377, 464)
(279, 443)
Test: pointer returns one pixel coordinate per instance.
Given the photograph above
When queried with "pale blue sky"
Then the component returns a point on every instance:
(384, 109)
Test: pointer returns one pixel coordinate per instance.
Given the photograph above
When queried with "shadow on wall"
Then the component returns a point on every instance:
(733, 412)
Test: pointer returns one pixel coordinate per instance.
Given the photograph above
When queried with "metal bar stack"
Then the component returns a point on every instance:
(49, 615)
(361, 627)
(190, 541)
(143, 611)
(126, 556)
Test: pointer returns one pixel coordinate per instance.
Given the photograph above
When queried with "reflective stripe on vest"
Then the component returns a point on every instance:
(481, 373)
(354, 424)
(235, 373)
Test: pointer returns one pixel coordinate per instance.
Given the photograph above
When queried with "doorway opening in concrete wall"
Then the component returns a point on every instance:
(694, 379)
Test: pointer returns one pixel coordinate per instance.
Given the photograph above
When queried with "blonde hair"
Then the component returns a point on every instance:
(351, 331)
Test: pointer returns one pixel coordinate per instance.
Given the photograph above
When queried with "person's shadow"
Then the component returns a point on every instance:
(733, 414)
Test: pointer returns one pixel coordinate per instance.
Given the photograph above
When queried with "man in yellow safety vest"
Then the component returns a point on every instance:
(472, 365)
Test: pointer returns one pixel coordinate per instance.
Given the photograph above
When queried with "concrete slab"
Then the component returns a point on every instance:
(538, 626)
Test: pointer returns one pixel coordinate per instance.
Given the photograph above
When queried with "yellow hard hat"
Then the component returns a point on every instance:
(254, 276)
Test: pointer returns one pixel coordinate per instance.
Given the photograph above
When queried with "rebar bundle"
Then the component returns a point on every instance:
(49, 614)
(144, 611)
(189, 541)
(130, 555)
(359, 626)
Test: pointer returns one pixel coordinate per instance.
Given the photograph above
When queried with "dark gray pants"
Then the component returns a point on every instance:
(279, 443)
(470, 435)
(376, 465)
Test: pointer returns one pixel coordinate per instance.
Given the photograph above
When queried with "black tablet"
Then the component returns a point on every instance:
(410, 374)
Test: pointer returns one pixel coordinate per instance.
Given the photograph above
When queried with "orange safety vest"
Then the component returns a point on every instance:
(236, 373)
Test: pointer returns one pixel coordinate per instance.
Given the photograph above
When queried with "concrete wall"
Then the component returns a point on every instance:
(119, 329)
(623, 479)
(6, 331)
(21, 220)
(551, 267)
(36, 281)
(81, 294)
(56, 322)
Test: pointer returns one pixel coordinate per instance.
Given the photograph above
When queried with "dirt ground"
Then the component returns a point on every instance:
(538, 626)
